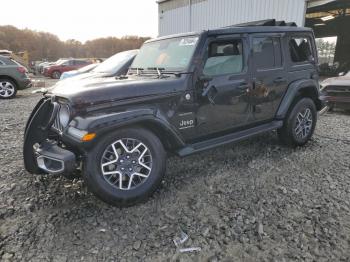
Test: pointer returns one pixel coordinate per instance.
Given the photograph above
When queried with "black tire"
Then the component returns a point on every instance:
(103, 189)
(56, 74)
(6, 86)
(289, 134)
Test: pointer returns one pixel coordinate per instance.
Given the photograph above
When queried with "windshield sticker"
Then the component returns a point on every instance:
(188, 41)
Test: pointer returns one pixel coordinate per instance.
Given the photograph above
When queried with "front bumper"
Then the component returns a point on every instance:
(41, 152)
(53, 159)
(336, 101)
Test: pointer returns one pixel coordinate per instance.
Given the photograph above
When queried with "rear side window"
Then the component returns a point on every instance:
(224, 58)
(300, 49)
(267, 52)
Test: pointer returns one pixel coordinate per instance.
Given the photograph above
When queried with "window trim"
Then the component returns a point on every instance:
(223, 39)
(296, 36)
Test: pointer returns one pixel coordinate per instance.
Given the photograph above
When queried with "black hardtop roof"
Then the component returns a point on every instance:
(257, 29)
(240, 30)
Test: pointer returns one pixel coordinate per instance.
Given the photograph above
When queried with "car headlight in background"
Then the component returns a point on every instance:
(64, 115)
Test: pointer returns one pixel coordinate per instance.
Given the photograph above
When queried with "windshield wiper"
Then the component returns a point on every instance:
(158, 69)
(138, 69)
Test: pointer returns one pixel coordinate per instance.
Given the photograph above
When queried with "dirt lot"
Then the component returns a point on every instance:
(253, 201)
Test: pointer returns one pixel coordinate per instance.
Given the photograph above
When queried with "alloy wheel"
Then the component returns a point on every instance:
(126, 163)
(303, 124)
(6, 89)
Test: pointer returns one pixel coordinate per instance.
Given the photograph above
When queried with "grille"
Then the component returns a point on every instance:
(57, 126)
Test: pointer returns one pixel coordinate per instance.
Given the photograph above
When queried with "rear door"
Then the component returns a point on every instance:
(268, 76)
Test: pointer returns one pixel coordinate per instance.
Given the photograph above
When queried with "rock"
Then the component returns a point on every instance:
(260, 230)
(7, 257)
(137, 245)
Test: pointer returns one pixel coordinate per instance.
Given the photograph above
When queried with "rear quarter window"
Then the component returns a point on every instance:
(300, 49)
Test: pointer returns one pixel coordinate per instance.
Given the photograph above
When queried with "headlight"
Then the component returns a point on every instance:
(64, 115)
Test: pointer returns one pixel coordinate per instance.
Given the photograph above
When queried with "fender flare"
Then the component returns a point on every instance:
(148, 118)
(292, 92)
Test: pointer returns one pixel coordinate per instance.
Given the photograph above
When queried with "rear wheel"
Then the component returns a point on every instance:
(125, 167)
(299, 124)
(8, 89)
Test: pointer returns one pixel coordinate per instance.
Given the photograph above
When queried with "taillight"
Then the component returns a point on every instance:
(21, 69)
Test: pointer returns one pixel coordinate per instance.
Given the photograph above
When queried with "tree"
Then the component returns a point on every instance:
(43, 45)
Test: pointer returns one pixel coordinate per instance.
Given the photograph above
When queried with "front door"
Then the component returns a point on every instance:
(269, 76)
(223, 86)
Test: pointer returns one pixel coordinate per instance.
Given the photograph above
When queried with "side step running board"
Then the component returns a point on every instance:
(230, 138)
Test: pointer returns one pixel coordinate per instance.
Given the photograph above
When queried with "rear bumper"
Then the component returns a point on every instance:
(24, 83)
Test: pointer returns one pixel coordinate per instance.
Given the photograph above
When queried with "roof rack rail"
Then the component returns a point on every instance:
(267, 22)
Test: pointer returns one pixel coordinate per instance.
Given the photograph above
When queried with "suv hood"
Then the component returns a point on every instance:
(337, 81)
(93, 91)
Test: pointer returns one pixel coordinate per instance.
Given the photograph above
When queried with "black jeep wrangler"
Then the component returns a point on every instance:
(183, 94)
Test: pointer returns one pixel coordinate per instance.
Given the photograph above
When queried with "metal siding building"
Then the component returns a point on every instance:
(178, 16)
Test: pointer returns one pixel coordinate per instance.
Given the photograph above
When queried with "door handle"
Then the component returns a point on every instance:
(280, 80)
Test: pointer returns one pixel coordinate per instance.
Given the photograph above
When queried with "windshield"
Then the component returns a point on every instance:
(116, 62)
(172, 54)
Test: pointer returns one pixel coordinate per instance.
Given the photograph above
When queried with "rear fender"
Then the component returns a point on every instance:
(309, 87)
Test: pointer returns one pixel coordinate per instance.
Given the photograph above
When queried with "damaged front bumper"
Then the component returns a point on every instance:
(42, 153)
(53, 159)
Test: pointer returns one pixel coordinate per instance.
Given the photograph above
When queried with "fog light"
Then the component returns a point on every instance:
(88, 137)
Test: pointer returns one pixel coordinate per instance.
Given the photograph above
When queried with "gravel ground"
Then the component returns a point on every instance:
(252, 201)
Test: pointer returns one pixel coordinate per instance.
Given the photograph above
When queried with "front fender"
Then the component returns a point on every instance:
(105, 123)
(293, 91)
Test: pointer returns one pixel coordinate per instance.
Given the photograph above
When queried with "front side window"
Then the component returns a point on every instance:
(172, 54)
(300, 49)
(224, 58)
(267, 52)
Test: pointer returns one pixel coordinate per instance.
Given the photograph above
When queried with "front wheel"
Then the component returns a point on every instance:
(125, 167)
(299, 124)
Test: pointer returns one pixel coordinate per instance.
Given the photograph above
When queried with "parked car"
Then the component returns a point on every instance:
(55, 71)
(336, 92)
(13, 77)
(183, 94)
(83, 70)
(116, 65)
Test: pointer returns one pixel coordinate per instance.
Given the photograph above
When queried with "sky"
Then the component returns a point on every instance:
(84, 19)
